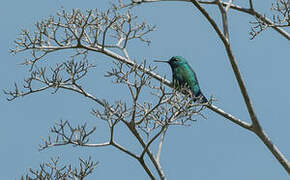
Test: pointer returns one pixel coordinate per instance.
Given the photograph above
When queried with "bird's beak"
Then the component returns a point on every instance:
(161, 61)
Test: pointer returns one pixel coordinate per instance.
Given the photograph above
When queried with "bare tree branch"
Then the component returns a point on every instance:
(109, 33)
(255, 127)
(249, 11)
(150, 117)
(229, 117)
(52, 170)
(281, 18)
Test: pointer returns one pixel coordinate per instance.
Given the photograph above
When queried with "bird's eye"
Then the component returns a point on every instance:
(175, 60)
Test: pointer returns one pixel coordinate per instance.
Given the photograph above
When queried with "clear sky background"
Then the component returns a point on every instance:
(210, 149)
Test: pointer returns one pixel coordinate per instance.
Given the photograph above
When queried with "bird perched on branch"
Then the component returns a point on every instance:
(184, 76)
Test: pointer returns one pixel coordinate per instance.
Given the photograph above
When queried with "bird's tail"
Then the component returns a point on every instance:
(200, 98)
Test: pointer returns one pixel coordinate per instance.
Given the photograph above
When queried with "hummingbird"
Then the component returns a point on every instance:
(184, 76)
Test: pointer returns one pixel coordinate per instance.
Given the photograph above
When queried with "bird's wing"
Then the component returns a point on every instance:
(192, 78)
(193, 75)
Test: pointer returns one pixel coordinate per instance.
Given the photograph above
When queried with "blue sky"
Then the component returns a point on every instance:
(210, 149)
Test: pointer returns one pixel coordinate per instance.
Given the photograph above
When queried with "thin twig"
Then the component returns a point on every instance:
(229, 5)
(224, 19)
(158, 154)
(251, 5)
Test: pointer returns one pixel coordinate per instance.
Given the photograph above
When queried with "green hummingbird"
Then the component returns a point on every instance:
(184, 76)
